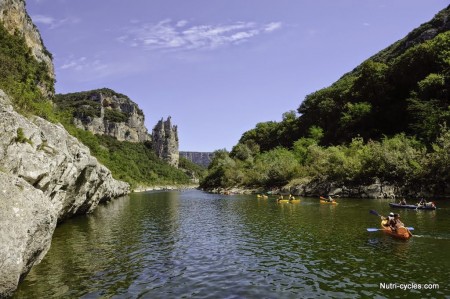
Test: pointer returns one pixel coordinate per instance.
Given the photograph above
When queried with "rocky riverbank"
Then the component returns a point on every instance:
(46, 176)
(315, 189)
(164, 188)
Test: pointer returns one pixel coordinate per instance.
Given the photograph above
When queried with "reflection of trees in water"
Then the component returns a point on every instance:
(162, 241)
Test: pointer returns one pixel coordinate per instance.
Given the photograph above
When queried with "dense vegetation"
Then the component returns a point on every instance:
(135, 163)
(22, 76)
(399, 160)
(384, 120)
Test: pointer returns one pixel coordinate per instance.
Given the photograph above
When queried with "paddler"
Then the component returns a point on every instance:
(396, 223)
(388, 219)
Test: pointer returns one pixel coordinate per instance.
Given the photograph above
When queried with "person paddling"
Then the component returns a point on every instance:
(387, 219)
(396, 223)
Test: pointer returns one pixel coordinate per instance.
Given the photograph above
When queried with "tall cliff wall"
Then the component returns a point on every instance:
(199, 158)
(16, 20)
(106, 112)
(165, 141)
(46, 176)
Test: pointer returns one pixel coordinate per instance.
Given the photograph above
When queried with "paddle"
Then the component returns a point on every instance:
(375, 213)
(377, 229)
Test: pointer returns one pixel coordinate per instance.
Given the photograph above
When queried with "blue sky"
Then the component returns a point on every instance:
(218, 67)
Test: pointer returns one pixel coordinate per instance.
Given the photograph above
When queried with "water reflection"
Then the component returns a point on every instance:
(193, 244)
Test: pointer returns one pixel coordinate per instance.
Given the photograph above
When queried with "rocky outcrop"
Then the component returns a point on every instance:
(165, 141)
(106, 112)
(315, 188)
(199, 158)
(16, 20)
(47, 176)
(27, 222)
(439, 24)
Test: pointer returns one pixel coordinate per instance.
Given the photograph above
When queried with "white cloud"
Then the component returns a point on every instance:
(182, 23)
(53, 23)
(272, 26)
(43, 19)
(168, 35)
(81, 63)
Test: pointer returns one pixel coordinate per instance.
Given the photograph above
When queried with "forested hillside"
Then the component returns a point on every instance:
(386, 120)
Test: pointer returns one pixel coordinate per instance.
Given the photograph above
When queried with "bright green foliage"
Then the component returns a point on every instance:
(221, 171)
(355, 113)
(135, 163)
(398, 159)
(115, 116)
(191, 168)
(21, 76)
(402, 89)
(378, 122)
(436, 174)
(274, 168)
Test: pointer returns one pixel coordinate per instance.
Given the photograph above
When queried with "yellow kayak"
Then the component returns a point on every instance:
(329, 202)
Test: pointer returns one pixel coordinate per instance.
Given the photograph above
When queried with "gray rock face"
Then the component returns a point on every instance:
(165, 142)
(199, 158)
(375, 190)
(59, 178)
(105, 112)
(15, 18)
(27, 222)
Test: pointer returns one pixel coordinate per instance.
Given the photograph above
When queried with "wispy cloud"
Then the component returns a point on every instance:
(272, 26)
(82, 64)
(96, 68)
(53, 23)
(43, 19)
(169, 35)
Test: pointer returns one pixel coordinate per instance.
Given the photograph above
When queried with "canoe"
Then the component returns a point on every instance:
(282, 200)
(401, 233)
(396, 205)
(329, 202)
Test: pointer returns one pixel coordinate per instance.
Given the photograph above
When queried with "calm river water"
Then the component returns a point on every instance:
(192, 244)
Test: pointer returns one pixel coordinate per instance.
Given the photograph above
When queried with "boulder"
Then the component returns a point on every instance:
(27, 221)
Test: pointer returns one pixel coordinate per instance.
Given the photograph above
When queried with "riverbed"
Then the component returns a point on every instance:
(192, 244)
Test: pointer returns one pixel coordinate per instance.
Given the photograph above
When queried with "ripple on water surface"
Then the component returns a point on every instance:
(193, 244)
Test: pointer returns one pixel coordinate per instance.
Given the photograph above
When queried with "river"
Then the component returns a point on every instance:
(191, 244)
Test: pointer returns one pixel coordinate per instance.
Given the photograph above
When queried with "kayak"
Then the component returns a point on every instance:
(330, 202)
(396, 205)
(294, 201)
(282, 200)
(401, 233)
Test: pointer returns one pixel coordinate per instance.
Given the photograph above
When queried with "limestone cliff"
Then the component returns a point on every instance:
(16, 20)
(106, 112)
(165, 141)
(199, 158)
(47, 176)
